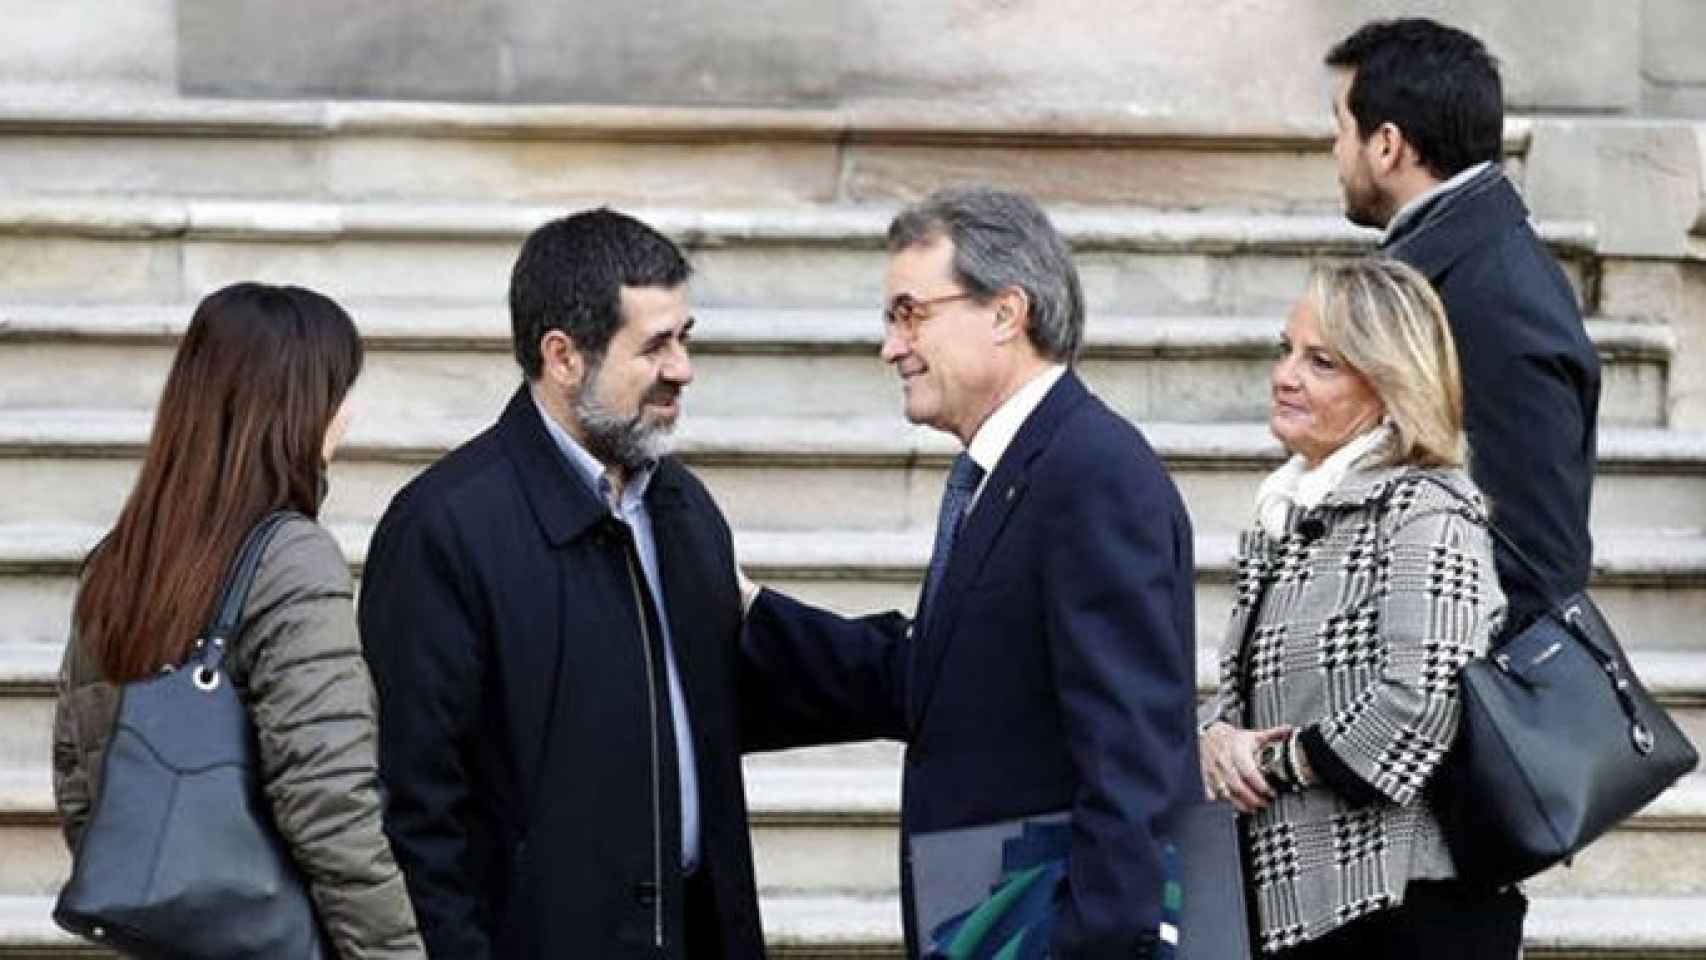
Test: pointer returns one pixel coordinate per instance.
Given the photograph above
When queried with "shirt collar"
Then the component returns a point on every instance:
(589, 468)
(997, 433)
(1421, 200)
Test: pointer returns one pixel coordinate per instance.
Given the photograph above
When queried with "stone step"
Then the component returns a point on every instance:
(1651, 583)
(837, 827)
(782, 473)
(27, 671)
(799, 926)
(1132, 260)
(430, 360)
(860, 152)
(819, 826)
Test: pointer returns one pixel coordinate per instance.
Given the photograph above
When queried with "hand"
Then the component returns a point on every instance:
(1229, 756)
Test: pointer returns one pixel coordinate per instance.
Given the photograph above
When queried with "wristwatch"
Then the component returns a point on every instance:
(1274, 763)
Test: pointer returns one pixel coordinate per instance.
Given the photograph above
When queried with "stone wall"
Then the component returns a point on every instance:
(1231, 59)
(1257, 58)
(1673, 58)
(105, 44)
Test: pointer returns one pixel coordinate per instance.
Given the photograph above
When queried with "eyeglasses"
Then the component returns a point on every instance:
(905, 313)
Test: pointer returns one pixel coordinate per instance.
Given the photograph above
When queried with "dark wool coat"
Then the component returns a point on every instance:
(525, 737)
(1530, 379)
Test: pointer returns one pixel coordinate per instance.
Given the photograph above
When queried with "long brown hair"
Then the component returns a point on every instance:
(238, 433)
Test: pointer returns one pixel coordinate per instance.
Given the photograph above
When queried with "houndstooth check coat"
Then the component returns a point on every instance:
(1364, 612)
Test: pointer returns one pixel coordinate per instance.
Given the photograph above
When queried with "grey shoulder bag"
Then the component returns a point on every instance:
(181, 857)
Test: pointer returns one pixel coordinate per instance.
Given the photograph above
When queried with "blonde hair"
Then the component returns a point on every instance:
(1387, 323)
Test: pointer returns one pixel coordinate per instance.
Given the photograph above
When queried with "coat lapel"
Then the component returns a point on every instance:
(682, 560)
(564, 510)
(1002, 493)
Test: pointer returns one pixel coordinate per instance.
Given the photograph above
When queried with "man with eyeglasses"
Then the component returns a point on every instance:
(1045, 686)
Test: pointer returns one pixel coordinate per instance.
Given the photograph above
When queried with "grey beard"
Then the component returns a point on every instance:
(627, 442)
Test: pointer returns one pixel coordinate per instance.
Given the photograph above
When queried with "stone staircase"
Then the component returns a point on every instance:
(115, 216)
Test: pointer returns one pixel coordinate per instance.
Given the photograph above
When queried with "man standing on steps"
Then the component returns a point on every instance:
(1049, 673)
(552, 620)
(1420, 113)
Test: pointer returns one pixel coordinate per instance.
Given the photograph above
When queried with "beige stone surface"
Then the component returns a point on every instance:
(1210, 176)
(1673, 42)
(1217, 383)
(89, 43)
(26, 739)
(659, 174)
(1676, 292)
(761, 487)
(1688, 377)
(1638, 182)
(66, 268)
(36, 859)
(1165, 60)
(1250, 59)
(210, 166)
(38, 607)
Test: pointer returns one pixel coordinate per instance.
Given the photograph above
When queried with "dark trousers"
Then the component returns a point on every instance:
(1439, 918)
(704, 928)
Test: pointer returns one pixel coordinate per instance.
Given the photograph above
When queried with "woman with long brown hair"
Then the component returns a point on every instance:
(251, 411)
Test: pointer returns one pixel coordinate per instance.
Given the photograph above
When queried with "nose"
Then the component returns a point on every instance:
(1283, 377)
(678, 366)
(894, 346)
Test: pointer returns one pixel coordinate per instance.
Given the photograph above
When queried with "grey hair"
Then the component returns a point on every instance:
(1001, 240)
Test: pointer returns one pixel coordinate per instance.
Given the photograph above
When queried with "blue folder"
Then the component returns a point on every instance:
(991, 892)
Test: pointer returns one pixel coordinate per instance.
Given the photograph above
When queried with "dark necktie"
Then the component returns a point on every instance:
(963, 478)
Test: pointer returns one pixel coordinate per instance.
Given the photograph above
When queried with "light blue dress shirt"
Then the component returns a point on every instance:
(632, 510)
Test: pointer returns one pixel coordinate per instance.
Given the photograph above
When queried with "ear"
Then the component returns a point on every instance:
(562, 365)
(1012, 314)
(1387, 149)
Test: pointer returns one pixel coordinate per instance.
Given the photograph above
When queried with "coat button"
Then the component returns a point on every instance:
(646, 893)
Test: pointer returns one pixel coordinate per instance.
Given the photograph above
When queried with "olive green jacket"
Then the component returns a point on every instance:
(297, 659)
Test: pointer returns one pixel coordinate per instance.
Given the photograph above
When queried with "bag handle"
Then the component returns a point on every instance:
(234, 594)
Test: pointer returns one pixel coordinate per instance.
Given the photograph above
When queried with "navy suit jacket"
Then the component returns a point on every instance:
(1056, 669)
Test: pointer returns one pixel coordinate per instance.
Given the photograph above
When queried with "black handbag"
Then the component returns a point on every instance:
(180, 857)
(1559, 742)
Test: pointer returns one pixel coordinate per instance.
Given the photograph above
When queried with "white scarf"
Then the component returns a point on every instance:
(1297, 487)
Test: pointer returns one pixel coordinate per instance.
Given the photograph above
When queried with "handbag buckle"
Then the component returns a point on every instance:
(204, 679)
(1641, 737)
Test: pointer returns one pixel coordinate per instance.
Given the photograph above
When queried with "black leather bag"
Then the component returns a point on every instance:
(1559, 743)
(180, 857)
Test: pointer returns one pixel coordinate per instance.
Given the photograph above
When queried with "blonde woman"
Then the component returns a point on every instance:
(1362, 591)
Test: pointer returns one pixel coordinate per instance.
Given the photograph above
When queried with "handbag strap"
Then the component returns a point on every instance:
(234, 594)
(1571, 617)
(1475, 514)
